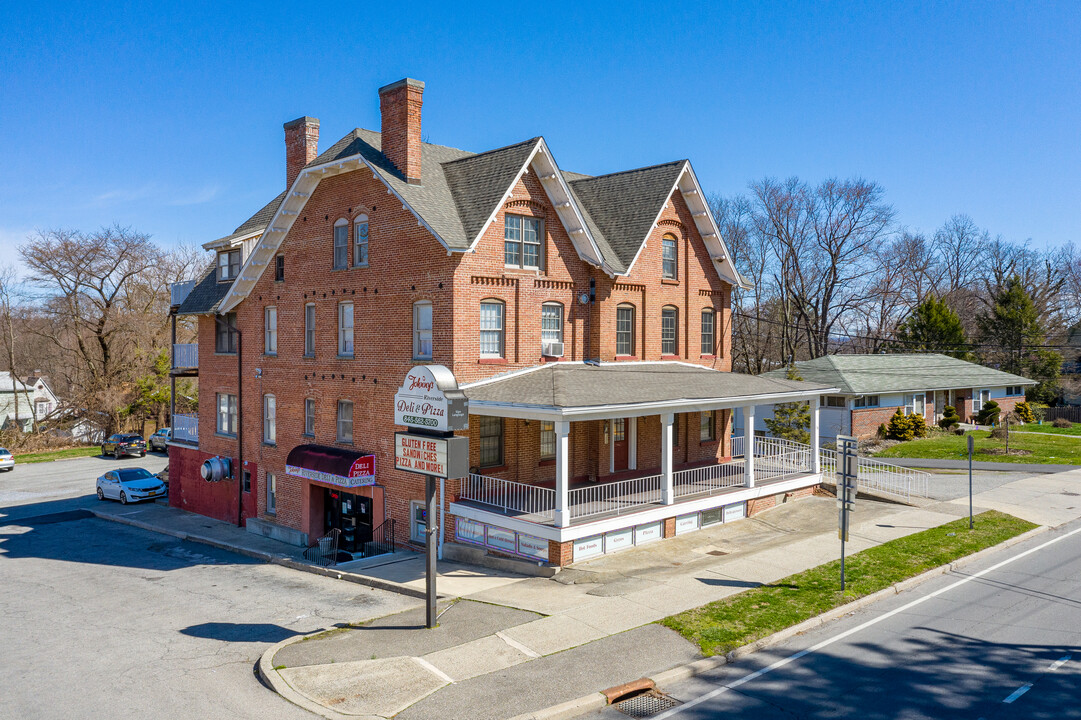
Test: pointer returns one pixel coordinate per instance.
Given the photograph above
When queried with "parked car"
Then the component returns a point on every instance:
(159, 439)
(124, 444)
(7, 460)
(130, 485)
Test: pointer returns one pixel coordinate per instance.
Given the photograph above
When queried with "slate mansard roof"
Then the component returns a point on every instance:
(907, 372)
(461, 191)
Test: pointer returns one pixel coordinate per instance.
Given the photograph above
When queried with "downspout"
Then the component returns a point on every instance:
(239, 429)
(442, 517)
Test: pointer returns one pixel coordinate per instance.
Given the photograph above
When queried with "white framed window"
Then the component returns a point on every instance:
(708, 426)
(309, 330)
(345, 329)
(979, 397)
(551, 323)
(916, 404)
(309, 417)
(491, 328)
(345, 421)
(226, 414)
(422, 330)
(270, 330)
(341, 244)
(669, 257)
(271, 493)
(625, 330)
(522, 236)
(547, 440)
(708, 319)
(270, 421)
(360, 241)
(668, 330)
(228, 265)
(491, 441)
(867, 401)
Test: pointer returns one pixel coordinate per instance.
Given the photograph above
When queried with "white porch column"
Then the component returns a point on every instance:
(816, 459)
(748, 445)
(667, 490)
(563, 511)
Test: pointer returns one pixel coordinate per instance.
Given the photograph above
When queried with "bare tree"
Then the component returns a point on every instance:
(10, 290)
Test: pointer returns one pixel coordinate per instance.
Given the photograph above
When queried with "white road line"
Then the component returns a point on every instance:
(1018, 693)
(874, 621)
(433, 669)
(517, 645)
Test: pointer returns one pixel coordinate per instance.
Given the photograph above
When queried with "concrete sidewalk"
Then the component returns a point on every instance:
(522, 646)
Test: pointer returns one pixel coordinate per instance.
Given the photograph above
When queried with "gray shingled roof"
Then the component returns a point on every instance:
(205, 297)
(570, 385)
(258, 221)
(908, 372)
(479, 182)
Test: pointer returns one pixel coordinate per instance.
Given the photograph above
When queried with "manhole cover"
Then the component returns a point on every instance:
(646, 705)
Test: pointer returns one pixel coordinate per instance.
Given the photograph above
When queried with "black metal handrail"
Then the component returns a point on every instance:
(324, 551)
(382, 541)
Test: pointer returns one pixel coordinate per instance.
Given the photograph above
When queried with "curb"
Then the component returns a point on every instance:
(274, 559)
(595, 701)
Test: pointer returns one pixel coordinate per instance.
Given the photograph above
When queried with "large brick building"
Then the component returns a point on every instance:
(586, 318)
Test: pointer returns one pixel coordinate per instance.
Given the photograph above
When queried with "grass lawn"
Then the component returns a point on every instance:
(1065, 450)
(65, 454)
(1050, 429)
(741, 619)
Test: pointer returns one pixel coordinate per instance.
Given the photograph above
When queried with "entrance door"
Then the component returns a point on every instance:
(352, 515)
(620, 445)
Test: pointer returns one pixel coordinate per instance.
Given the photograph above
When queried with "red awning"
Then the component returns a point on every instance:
(335, 466)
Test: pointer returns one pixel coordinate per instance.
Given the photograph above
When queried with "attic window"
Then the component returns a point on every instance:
(228, 265)
(522, 242)
(279, 268)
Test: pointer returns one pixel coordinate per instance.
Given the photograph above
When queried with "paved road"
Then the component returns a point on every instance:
(948, 464)
(1000, 639)
(101, 620)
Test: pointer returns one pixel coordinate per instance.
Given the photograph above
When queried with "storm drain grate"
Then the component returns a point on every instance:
(646, 705)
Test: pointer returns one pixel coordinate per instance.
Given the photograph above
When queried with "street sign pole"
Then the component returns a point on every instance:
(432, 528)
(847, 487)
(970, 444)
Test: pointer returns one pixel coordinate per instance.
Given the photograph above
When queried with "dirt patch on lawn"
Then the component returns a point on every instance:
(1002, 451)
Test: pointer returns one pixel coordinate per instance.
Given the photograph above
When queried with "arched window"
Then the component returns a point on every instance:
(625, 329)
(491, 328)
(669, 340)
(552, 328)
(341, 244)
(669, 257)
(422, 330)
(360, 241)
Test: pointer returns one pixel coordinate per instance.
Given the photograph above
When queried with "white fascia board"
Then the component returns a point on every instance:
(653, 225)
(711, 225)
(230, 241)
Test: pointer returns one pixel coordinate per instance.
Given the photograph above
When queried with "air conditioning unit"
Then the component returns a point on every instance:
(552, 349)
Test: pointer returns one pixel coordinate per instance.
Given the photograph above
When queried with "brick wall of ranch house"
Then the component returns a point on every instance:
(406, 264)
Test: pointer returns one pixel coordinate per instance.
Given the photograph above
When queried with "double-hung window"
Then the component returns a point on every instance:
(708, 426)
(309, 417)
(345, 421)
(271, 493)
(270, 420)
(270, 330)
(345, 329)
(669, 257)
(980, 397)
(916, 404)
(422, 330)
(309, 330)
(225, 334)
(547, 440)
(551, 323)
(491, 441)
(279, 268)
(360, 241)
(226, 414)
(668, 331)
(708, 319)
(341, 244)
(491, 329)
(522, 238)
(625, 330)
(866, 401)
(228, 265)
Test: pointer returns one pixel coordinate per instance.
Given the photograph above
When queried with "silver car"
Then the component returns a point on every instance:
(130, 485)
(7, 460)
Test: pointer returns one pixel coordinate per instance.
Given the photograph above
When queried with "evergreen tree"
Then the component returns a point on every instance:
(791, 420)
(1010, 330)
(933, 327)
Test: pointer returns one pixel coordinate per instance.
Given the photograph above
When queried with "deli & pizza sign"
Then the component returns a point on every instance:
(429, 399)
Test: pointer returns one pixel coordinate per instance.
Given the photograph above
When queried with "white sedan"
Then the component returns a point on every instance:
(130, 485)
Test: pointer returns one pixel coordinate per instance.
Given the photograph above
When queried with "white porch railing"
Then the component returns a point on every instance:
(510, 496)
(615, 497)
(185, 355)
(774, 457)
(708, 479)
(186, 428)
(883, 477)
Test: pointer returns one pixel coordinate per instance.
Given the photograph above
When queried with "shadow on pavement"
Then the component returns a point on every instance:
(239, 632)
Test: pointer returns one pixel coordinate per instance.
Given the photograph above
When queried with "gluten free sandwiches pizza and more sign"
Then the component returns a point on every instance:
(420, 454)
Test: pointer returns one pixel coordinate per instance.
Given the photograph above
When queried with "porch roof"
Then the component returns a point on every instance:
(587, 391)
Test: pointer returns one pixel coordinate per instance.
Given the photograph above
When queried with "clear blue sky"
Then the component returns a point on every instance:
(169, 118)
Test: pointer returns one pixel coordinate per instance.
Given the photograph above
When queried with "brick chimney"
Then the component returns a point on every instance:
(301, 146)
(399, 104)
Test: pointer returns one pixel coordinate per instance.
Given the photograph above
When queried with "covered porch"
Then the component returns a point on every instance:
(676, 420)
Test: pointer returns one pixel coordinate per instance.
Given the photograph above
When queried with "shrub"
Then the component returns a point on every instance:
(958, 431)
(906, 427)
(1024, 412)
(999, 432)
(989, 413)
(883, 431)
(1062, 423)
(949, 417)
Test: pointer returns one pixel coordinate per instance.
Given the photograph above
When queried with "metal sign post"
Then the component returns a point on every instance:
(847, 487)
(431, 530)
(970, 444)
